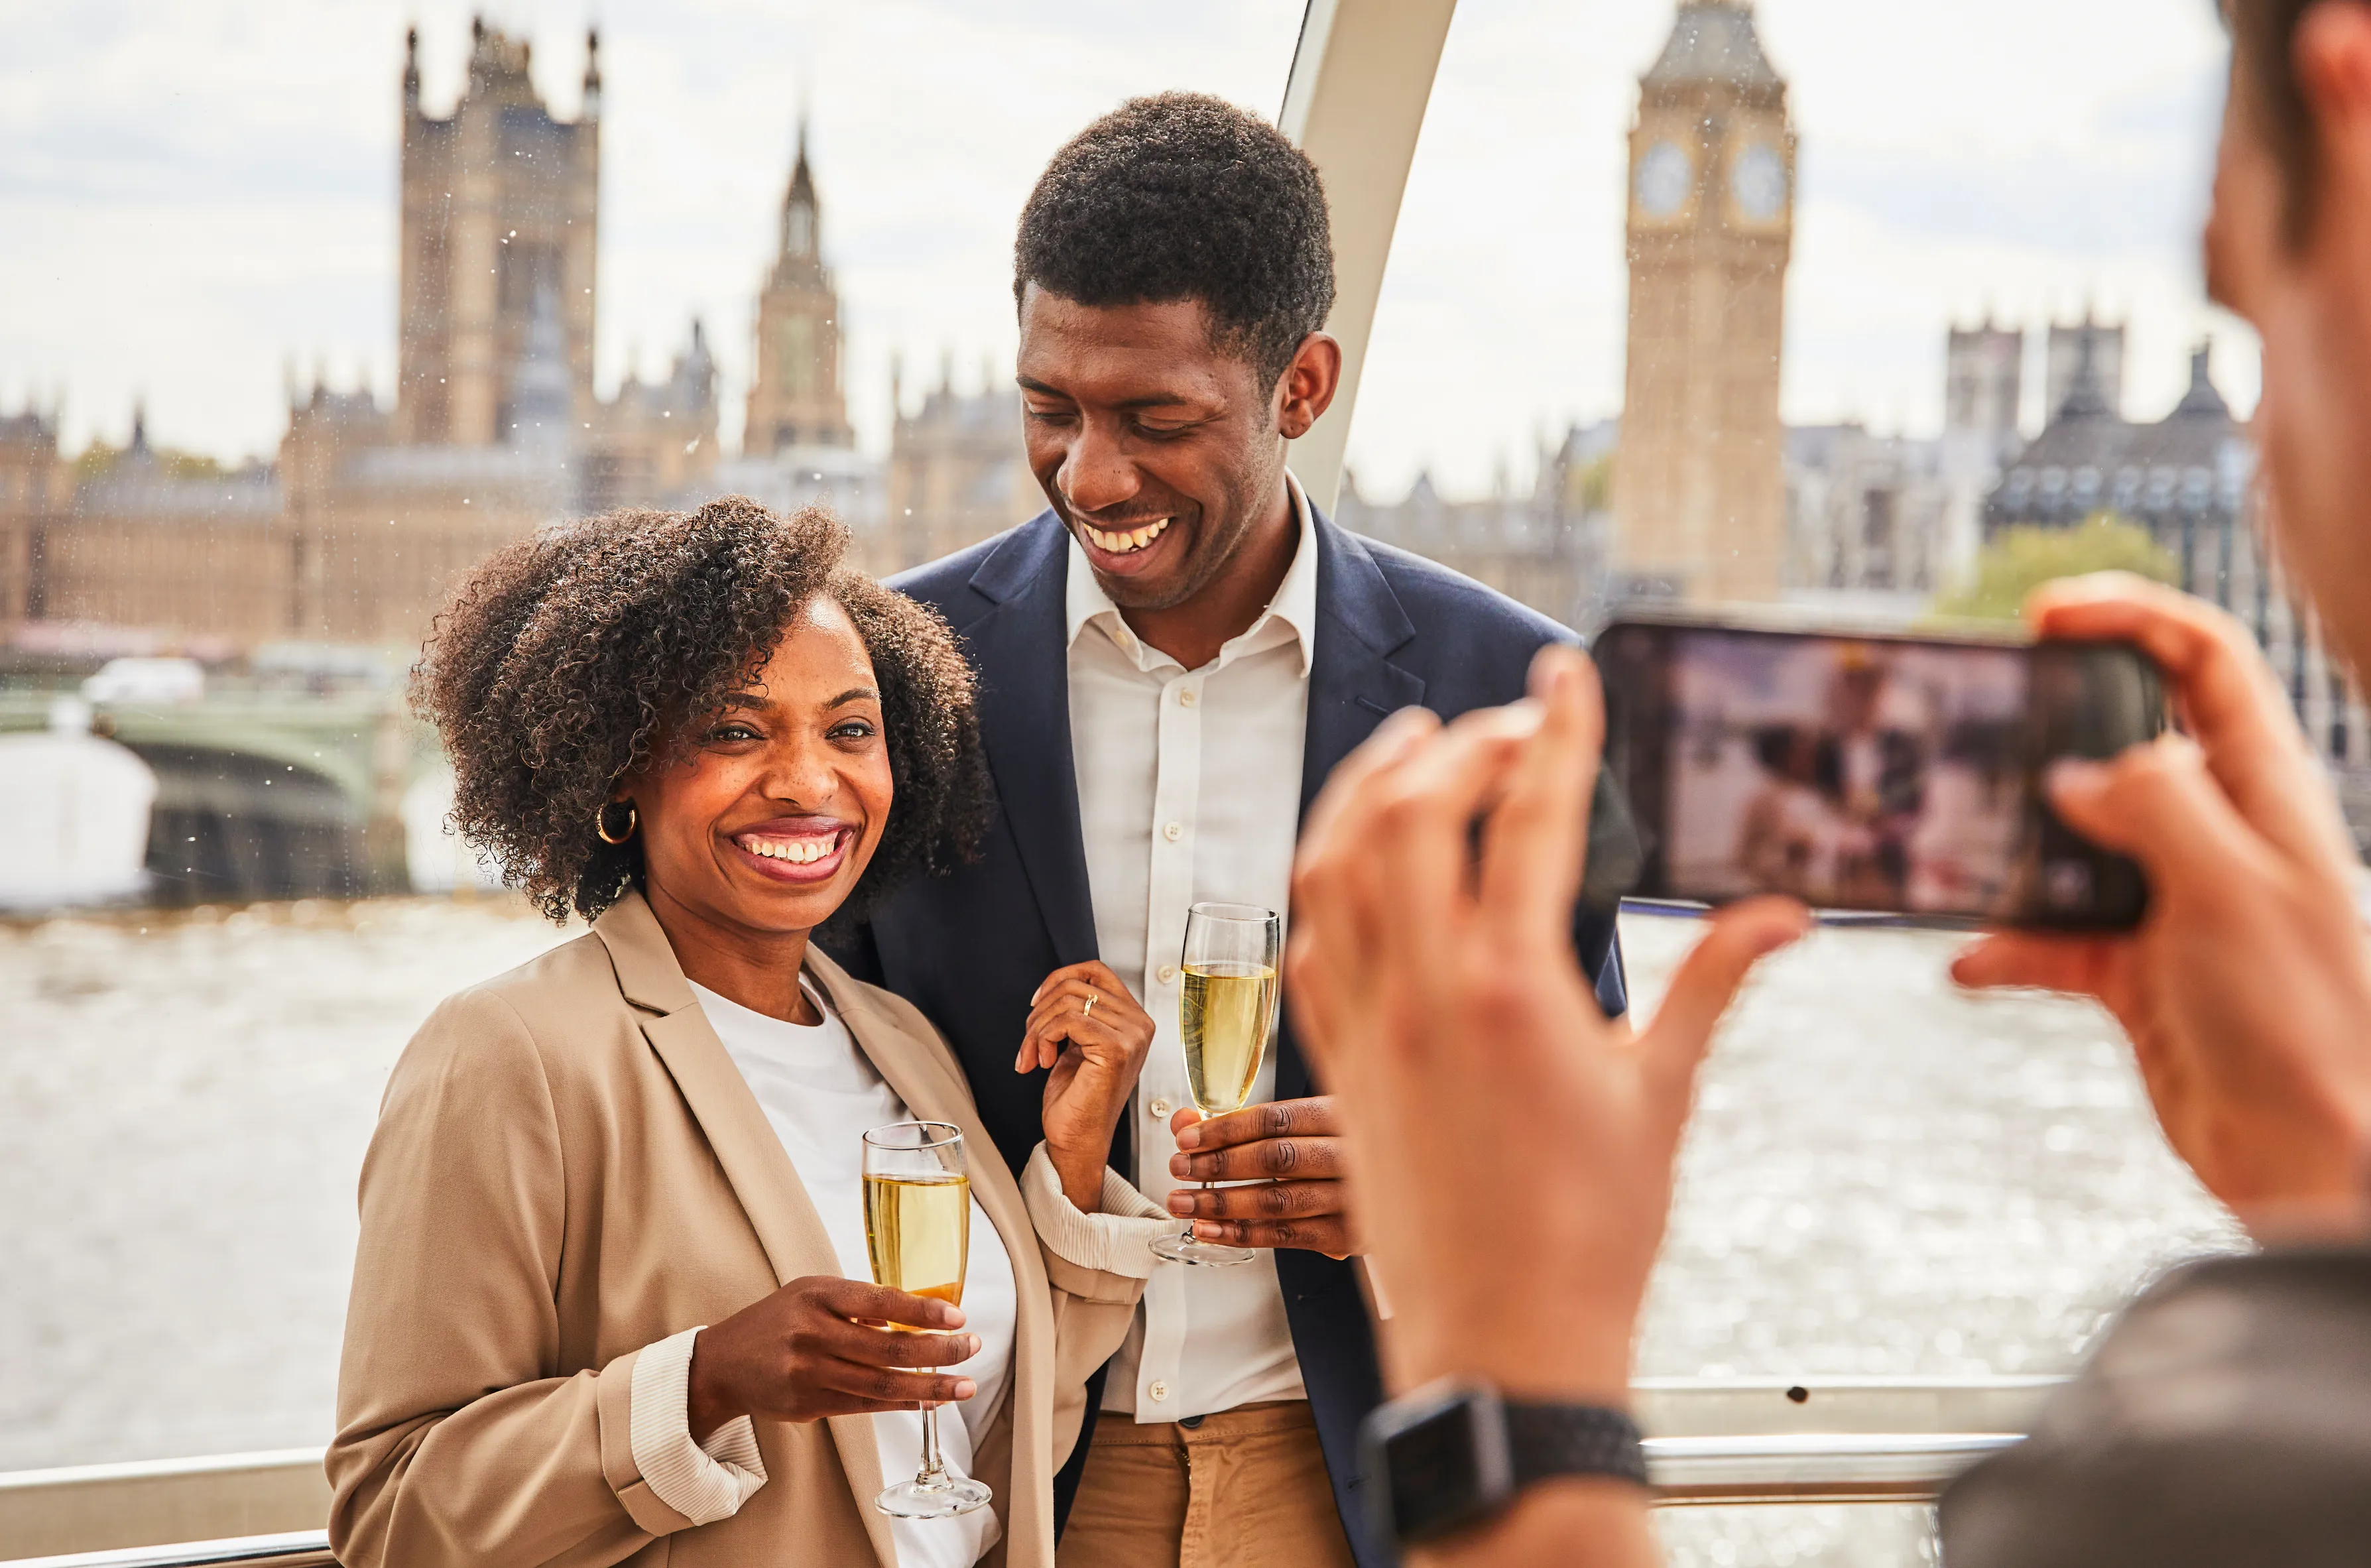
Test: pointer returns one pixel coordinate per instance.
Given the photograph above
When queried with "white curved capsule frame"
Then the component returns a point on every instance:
(1361, 76)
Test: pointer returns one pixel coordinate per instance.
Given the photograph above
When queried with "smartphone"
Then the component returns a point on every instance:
(1893, 775)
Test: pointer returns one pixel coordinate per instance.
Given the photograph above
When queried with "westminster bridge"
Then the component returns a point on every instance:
(268, 794)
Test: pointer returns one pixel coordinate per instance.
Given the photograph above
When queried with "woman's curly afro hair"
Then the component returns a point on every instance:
(571, 659)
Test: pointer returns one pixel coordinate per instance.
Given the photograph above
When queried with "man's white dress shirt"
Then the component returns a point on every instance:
(1189, 791)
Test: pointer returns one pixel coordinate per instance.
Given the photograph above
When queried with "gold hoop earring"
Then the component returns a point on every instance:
(601, 822)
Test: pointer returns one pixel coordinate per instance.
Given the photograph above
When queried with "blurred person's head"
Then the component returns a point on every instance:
(706, 706)
(2288, 246)
(1855, 688)
(1173, 270)
(1787, 751)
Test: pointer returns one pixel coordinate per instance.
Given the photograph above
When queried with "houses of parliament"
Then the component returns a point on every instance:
(358, 531)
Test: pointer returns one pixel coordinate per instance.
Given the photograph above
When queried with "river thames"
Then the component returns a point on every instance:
(1885, 1177)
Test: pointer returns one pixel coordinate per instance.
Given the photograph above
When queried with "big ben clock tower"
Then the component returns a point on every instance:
(1699, 499)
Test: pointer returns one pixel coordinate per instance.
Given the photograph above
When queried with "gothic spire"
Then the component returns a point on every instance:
(2201, 398)
(2084, 395)
(802, 177)
(802, 226)
(1713, 43)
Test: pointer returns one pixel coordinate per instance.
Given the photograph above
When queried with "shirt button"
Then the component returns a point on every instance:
(1172, 831)
(1158, 1390)
(1185, 697)
(1159, 1110)
(1169, 975)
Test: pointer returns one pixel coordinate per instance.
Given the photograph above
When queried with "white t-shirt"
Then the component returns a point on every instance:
(821, 1096)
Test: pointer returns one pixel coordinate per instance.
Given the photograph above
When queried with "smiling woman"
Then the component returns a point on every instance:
(573, 668)
(613, 1216)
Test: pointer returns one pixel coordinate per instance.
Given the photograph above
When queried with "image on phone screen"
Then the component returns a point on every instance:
(1881, 774)
(1852, 775)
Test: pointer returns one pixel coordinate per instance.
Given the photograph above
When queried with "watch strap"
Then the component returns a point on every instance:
(1546, 1440)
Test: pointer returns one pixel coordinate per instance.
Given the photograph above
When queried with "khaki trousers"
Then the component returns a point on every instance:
(1245, 1488)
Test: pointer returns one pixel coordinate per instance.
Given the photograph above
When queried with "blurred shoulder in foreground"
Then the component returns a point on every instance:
(2227, 1418)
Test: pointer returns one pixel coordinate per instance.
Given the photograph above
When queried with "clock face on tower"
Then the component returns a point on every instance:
(1757, 178)
(1664, 177)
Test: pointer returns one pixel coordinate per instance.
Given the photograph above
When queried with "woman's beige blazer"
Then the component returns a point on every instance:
(568, 1168)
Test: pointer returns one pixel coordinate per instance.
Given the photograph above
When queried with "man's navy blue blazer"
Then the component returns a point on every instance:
(1393, 630)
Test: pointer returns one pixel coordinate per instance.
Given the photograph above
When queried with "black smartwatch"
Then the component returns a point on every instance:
(1454, 1452)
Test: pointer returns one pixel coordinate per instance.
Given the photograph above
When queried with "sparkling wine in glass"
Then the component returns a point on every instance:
(918, 1229)
(1226, 1013)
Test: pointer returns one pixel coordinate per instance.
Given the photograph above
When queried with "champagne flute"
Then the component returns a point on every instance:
(1226, 1011)
(918, 1229)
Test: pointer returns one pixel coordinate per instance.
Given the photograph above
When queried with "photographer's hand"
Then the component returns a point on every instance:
(2247, 989)
(1509, 1149)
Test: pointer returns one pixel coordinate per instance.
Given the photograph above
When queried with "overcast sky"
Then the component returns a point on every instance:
(191, 193)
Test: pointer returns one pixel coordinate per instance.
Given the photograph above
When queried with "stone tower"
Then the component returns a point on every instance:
(2069, 347)
(500, 202)
(1983, 371)
(1699, 495)
(794, 396)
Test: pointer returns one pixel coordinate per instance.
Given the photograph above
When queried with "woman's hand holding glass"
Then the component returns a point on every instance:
(818, 1347)
(918, 1232)
(1092, 1035)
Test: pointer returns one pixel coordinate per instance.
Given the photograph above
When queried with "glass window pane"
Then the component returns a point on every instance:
(1797, 1536)
(298, 321)
(1712, 302)
(1868, 179)
(1887, 1178)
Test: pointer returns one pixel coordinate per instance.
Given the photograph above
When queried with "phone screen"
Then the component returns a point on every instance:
(1878, 774)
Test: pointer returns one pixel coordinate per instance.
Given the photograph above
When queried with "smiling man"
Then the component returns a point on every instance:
(1173, 657)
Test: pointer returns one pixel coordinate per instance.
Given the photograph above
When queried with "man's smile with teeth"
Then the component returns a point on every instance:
(1127, 543)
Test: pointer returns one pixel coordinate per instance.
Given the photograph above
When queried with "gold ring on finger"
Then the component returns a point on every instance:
(1089, 1010)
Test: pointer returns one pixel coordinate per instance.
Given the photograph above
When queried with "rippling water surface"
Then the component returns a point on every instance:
(1886, 1177)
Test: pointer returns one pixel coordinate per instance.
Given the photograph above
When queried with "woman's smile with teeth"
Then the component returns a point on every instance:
(797, 851)
(1127, 543)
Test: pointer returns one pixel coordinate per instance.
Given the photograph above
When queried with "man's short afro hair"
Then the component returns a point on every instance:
(1184, 196)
